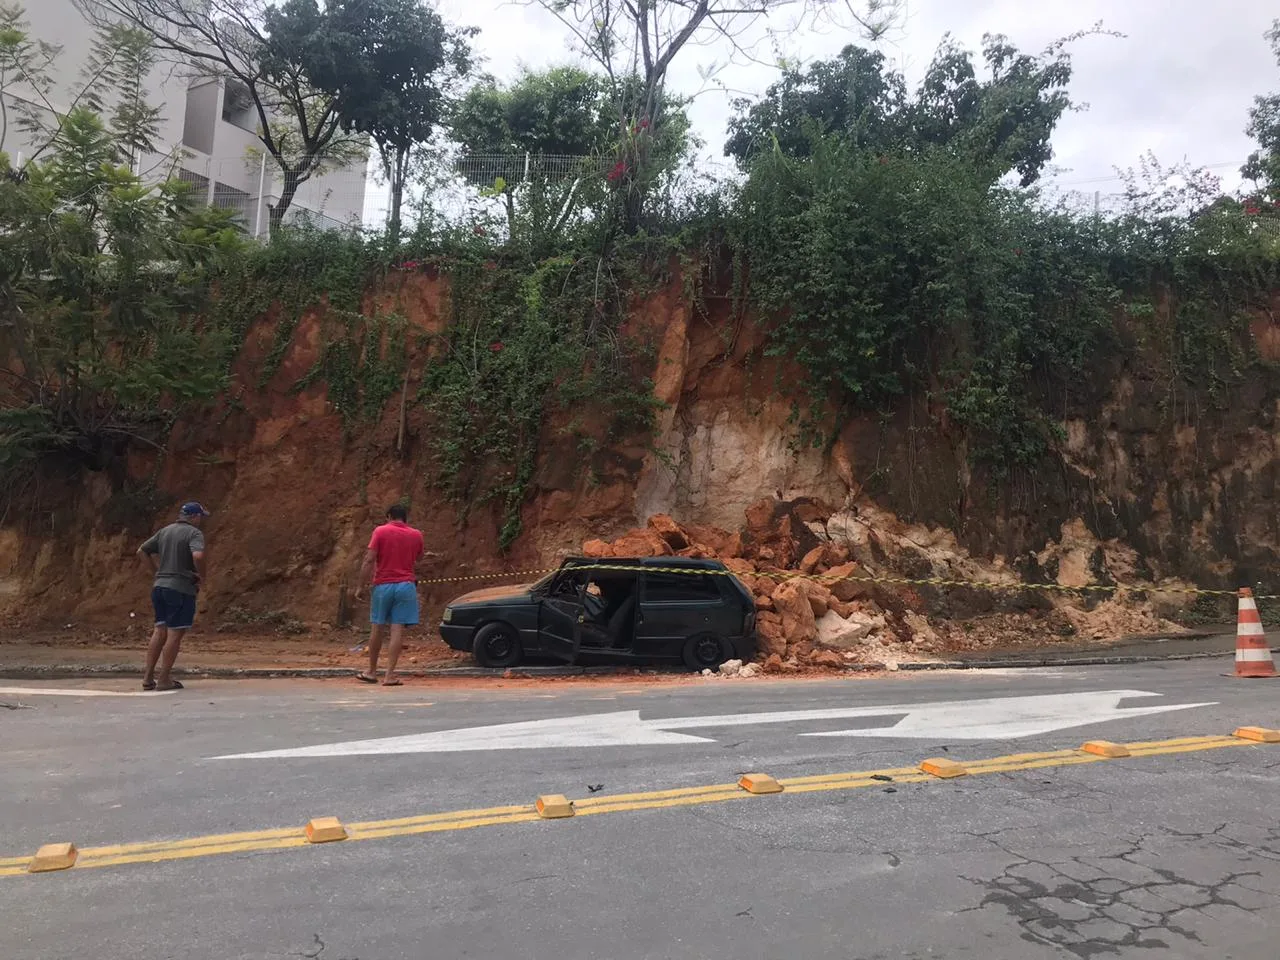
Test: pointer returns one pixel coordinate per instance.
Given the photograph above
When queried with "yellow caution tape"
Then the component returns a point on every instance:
(826, 578)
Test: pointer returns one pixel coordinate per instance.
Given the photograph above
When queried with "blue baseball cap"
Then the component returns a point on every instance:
(193, 509)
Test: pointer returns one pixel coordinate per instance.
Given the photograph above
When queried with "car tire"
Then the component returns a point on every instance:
(706, 651)
(497, 645)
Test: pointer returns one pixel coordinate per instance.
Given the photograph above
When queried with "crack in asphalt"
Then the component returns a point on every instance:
(1102, 905)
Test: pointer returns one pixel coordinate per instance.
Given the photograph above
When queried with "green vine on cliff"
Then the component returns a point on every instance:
(887, 275)
(526, 341)
(362, 362)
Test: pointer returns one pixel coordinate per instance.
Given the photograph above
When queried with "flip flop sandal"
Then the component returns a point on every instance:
(148, 684)
(393, 683)
(365, 678)
(173, 685)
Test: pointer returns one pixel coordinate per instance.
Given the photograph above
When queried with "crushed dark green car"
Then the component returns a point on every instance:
(620, 610)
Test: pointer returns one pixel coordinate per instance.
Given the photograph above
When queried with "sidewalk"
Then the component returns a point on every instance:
(330, 655)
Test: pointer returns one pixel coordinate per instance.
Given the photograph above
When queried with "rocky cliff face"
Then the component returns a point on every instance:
(1148, 485)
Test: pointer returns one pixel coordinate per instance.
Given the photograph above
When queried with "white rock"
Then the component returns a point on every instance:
(921, 632)
(731, 668)
(750, 670)
(708, 672)
(840, 633)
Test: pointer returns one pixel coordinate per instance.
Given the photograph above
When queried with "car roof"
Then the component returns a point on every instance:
(692, 563)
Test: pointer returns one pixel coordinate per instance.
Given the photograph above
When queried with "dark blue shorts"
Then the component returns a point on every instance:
(174, 609)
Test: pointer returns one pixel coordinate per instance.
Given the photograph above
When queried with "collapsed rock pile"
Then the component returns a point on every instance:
(808, 567)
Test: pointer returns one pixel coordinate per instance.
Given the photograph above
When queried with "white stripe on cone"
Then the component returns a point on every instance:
(1252, 656)
(1247, 603)
(1249, 630)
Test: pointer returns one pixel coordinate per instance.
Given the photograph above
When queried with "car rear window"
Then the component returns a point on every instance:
(674, 587)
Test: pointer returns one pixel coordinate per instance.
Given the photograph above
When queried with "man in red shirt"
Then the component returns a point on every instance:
(394, 551)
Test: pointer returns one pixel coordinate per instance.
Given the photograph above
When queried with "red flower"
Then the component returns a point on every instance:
(496, 346)
(490, 265)
(478, 231)
(1251, 209)
(644, 124)
(409, 265)
(618, 172)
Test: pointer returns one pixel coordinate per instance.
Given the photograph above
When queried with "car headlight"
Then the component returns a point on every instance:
(448, 614)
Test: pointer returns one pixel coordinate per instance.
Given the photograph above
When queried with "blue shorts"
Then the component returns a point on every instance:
(174, 609)
(394, 603)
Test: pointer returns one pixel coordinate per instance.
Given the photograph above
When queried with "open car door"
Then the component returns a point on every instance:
(560, 617)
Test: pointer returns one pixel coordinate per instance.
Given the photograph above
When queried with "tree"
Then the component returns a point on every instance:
(548, 142)
(1263, 165)
(1003, 122)
(635, 42)
(25, 63)
(227, 40)
(118, 63)
(112, 82)
(389, 65)
(102, 278)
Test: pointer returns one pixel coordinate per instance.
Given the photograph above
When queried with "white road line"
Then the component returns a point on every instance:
(72, 692)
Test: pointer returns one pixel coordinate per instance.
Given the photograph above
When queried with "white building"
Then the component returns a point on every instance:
(208, 128)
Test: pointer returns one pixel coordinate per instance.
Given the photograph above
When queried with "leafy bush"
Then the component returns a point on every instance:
(101, 283)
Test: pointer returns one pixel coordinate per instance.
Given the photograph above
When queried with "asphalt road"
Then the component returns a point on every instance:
(1169, 854)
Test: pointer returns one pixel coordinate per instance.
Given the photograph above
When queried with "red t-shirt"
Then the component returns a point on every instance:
(397, 547)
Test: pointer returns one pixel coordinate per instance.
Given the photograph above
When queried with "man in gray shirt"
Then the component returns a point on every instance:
(176, 553)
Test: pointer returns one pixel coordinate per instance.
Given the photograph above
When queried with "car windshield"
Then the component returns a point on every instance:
(544, 581)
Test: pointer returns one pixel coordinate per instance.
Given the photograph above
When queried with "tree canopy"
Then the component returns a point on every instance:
(390, 67)
(1263, 165)
(1002, 121)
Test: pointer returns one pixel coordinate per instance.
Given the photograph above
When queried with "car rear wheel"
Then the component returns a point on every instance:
(497, 645)
(706, 651)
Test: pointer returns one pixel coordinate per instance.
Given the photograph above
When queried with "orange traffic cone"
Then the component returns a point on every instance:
(1253, 656)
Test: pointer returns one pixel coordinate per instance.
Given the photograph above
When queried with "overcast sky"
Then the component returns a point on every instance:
(1179, 83)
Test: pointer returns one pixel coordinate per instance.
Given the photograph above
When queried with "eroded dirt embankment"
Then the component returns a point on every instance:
(1138, 493)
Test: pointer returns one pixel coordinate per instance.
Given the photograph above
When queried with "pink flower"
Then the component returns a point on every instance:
(496, 346)
(618, 172)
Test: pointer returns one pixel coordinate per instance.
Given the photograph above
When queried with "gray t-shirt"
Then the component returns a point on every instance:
(175, 545)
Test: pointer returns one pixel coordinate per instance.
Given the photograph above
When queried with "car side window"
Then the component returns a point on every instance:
(680, 587)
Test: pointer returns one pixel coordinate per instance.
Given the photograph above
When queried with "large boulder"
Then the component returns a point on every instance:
(717, 542)
(791, 600)
(845, 589)
(596, 549)
(669, 531)
(641, 543)
(771, 640)
(819, 597)
(845, 633)
(810, 562)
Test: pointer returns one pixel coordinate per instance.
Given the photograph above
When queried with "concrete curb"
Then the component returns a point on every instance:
(73, 671)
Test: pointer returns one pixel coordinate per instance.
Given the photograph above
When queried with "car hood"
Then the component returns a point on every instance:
(518, 592)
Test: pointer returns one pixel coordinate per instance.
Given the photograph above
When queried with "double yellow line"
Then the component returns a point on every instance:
(284, 838)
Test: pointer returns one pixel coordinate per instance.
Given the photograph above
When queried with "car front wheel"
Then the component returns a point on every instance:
(706, 651)
(497, 645)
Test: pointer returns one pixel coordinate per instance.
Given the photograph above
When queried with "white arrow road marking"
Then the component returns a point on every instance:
(993, 719)
(623, 729)
(73, 692)
(1010, 717)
